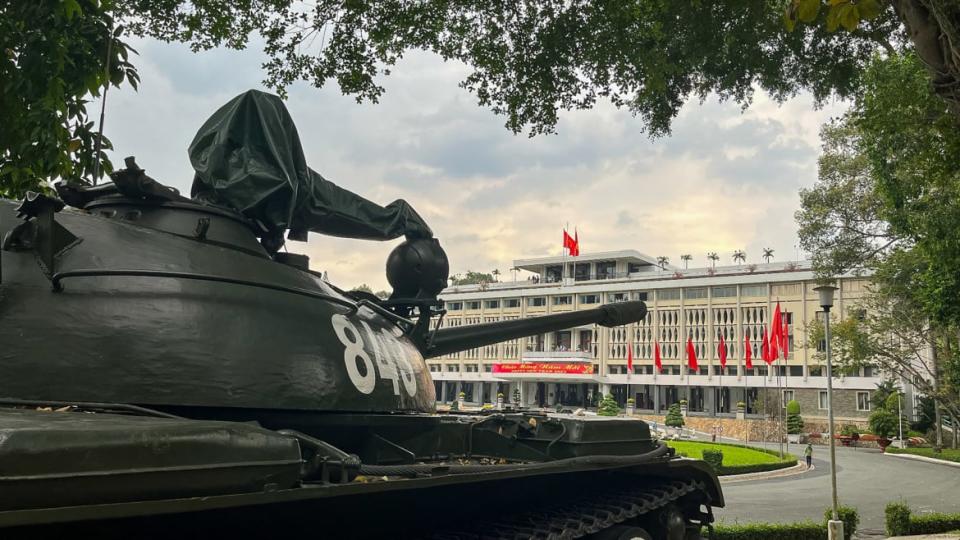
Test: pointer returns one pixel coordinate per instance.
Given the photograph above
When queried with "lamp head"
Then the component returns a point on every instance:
(826, 296)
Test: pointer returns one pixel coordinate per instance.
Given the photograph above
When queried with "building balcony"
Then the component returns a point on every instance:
(556, 356)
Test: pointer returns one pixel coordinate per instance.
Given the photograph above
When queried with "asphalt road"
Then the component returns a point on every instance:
(866, 479)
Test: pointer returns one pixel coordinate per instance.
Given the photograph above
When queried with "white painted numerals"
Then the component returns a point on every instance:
(390, 358)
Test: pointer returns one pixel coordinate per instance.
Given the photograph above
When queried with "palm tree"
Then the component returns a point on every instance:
(662, 262)
(767, 254)
(496, 274)
(713, 258)
(686, 258)
(515, 269)
(739, 256)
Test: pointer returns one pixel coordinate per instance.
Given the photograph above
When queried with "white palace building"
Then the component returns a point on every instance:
(573, 366)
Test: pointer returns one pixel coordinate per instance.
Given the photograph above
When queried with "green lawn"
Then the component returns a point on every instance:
(732, 455)
(947, 454)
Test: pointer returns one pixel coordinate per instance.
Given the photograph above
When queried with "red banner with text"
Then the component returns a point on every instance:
(545, 367)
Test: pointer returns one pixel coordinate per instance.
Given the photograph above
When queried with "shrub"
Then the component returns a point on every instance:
(849, 430)
(608, 406)
(794, 420)
(714, 458)
(934, 523)
(883, 423)
(897, 519)
(765, 531)
(848, 515)
(674, 417)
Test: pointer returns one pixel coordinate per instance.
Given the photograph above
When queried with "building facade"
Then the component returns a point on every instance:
(574, 366)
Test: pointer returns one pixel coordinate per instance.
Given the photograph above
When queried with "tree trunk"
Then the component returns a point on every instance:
(932, 26)
(936, 393)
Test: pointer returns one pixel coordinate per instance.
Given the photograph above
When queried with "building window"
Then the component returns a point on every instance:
(617, 297)
(633, 268)
(787, 397)
(816, 371)
(589, 298)
(753, 290)
(863, 401)
(640, 295)
(822, 400)
(487, 368)
(693, 294)
(562, 300)
(492, 304)
(471, 368)
(606, 270)
(435, 367)
(870, 371)
(539, 301)
(454, 306)
(513, 302)
(668, 294)
(724, 292)
(453, 367)
(473, 304)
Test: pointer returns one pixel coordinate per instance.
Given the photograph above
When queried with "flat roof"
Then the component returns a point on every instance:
(628, 255)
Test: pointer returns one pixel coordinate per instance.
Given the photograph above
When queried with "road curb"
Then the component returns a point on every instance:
(925, 458)
(799, 468)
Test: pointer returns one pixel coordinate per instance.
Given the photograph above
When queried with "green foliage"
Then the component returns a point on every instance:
(883, 423)
(530, 60)
(52, 58)
(363, 288)
(934, 523)
(713, 457)
(794, 424)
(888, 200)
(471, 278)
(608, 406)
(897, 517)
(674, 416)
(793, 407)
(850, 430)
(848, 515)
(765, 531)
(926, 415)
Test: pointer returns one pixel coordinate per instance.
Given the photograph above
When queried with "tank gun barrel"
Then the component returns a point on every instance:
(461, 338)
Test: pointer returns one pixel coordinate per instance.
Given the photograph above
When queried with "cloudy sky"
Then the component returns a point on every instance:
(725, 179)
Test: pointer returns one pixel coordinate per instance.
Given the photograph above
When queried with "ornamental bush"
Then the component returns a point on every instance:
(883, 423)
(848, 515)
(897, 517)
(714, 458)
(608, 406)
(674, 417)
(766, 531)
(794, 420)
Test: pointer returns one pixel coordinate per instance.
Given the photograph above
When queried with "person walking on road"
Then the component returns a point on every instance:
(808, 453)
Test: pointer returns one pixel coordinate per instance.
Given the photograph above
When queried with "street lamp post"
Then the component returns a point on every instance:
(834, 526)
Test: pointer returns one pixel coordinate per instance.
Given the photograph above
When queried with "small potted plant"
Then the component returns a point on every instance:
(883, 424)
(683, 407)
(741, 410)
(631, 406)
(499, 401)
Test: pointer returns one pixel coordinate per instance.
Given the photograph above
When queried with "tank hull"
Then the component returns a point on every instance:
(156, 340)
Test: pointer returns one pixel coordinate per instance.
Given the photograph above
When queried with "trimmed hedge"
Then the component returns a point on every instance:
(765, 531)
(897, 517)
(714, 458)
(804, 530)
(946, 454)
(900, 521)
(758, 467)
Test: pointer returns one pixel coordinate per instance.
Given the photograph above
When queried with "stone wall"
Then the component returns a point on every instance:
(749, 429)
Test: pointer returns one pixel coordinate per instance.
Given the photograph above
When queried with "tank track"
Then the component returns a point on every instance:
(580, 517)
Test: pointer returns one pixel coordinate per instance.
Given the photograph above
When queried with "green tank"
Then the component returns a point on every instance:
(167, 368)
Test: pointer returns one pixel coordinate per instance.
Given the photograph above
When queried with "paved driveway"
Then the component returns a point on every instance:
(866, 479)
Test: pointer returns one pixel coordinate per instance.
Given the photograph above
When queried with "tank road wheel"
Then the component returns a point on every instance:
(622, 532)
(670, 523)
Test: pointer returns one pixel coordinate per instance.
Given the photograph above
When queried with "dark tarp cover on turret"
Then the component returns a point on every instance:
(248, 156)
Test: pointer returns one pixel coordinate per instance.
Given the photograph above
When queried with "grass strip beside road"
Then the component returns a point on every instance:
(947, 454)
(737, 459)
